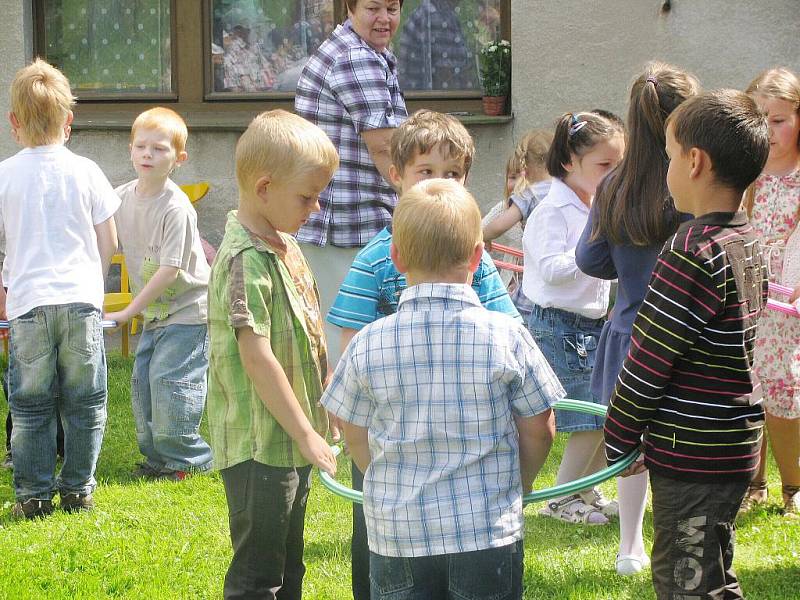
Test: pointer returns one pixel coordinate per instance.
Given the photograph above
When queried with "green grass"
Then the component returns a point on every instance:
(170, 540)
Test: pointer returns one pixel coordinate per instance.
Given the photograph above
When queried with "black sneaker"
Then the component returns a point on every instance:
(76, 502)
(32, 508)
(144, 471)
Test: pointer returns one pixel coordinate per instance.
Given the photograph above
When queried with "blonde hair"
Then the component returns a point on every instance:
(436, 225)
(164, 120)
(41, 101)
(424, 130)
(779, 83)
(530, 154)
(284, 145)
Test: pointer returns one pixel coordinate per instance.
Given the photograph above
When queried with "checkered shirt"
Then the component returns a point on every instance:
(437, 384)
(347, 88)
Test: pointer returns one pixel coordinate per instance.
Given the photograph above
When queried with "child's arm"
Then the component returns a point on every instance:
(682, 298)
(535, 438)
(3, 315)
(357, 444)
(593, 256)
(502, 223)
(106, 233)
(545, 239)
(275, 392)
(164, 277)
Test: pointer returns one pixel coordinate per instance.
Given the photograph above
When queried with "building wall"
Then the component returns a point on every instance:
(567, 55)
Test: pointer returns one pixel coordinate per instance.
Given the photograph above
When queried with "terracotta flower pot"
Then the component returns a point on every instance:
(494, 105)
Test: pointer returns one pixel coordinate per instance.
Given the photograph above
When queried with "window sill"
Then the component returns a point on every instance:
(215, 117)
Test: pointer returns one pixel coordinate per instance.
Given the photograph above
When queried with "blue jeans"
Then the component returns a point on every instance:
(491, 574)
(569, 343)
(168, 393)
(56, 348)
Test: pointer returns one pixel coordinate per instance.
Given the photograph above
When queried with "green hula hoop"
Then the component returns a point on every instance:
(556, 491)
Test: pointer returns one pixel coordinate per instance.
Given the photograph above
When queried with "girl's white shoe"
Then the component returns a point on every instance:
(630, 564)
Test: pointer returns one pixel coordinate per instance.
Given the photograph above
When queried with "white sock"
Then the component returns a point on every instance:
(632, 498)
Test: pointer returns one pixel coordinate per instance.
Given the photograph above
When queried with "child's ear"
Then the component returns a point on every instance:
(181, 158)
(699, 160)
(397, 259)
(262, 186)
(394, 177)
(475, 259)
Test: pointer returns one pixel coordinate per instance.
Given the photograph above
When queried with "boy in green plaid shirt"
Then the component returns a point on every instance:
(268, 360)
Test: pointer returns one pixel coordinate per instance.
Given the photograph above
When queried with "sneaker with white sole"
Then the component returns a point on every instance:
(631, 564)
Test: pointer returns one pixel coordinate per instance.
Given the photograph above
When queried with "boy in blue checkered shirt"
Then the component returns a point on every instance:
(446, 409)
(426, 146)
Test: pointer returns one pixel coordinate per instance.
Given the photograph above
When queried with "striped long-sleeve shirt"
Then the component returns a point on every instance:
(687, 382)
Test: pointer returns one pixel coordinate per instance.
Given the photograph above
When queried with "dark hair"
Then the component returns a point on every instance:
(351, 4)
(576, 134)
(634, 206)
(729, 126)
(613, 118)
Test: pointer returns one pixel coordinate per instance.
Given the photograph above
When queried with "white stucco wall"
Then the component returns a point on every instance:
(567, 55)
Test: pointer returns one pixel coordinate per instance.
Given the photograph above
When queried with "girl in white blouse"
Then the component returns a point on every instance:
(569, 307)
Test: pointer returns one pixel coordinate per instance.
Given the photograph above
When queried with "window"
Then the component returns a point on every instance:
(222, 61)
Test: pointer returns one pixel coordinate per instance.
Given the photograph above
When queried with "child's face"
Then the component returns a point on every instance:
(436, 164)
(678, 172)
(287, 203)
(784, 127)
(511, 182)
(586, 172)
(153, 155)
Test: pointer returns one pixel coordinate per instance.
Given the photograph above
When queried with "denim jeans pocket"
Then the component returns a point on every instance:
(30, 338)
(185, 407)
(390, 576)
(85, 330)
(483, 575)
(579, 351)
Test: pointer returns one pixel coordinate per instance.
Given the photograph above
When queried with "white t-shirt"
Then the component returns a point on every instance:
(162, 231)
(50, 201)
(551, 277)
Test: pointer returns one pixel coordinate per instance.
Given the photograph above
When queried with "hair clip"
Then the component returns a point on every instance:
(652, 80)
(576, 126)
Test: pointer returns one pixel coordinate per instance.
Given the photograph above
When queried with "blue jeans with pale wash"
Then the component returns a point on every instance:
(168, 394)
(56, 348)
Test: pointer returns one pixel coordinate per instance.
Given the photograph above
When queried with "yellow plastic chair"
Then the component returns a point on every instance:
(195, 191)
(116, 301)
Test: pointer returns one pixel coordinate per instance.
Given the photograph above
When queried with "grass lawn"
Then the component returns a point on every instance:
(170, 540)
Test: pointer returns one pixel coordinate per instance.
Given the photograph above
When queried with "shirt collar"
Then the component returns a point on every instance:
(437, 295)
(347, 30)
(720, 219)
(561, 194)
(243, 238)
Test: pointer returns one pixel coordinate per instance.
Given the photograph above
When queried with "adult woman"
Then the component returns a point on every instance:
(349, 88)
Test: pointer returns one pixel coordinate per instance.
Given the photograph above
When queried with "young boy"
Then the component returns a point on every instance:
(56, 211)
(268, 359)
(427, 145)
(687, 383)
(169, 276)
(448, 404)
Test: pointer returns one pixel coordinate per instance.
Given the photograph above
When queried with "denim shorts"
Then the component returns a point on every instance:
(569, 343)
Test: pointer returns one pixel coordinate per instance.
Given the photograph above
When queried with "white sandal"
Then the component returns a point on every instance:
(573, 509)
(631, 564)
(609, 508)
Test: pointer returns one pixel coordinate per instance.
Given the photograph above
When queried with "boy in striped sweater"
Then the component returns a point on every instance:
(687, 383)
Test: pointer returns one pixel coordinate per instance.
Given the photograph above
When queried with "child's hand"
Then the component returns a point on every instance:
(335, 427)
(635, 467)
(795, 294)
(315, 450)
(120, 317)
(3, 315)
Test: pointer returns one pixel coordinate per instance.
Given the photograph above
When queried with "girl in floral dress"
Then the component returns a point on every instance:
(774, 207)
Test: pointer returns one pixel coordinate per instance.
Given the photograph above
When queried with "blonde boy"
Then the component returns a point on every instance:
(442, 399)
(56, 212)
(268, 358)
(427, 145)
(169, 275)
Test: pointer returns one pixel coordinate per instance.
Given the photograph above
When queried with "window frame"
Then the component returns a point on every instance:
(204, 109)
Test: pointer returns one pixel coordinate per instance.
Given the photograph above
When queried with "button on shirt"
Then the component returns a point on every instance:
(347, 88)
(437, 384)
(551, 277)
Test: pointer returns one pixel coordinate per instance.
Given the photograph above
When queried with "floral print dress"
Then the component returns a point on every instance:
(777, 355)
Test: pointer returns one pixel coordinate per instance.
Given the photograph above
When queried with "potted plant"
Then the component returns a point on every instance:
(495, 67)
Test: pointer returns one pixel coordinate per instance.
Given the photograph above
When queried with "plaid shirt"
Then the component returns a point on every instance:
(347, 88)
(438, 384)
(265, 285)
